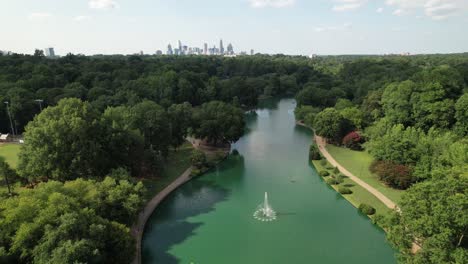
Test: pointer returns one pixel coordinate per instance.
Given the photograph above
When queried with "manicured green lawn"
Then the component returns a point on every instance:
(358, 162)
(359, 195)
(10, 153)
(177, 162)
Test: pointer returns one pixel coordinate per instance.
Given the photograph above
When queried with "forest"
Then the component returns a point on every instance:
(102, 121)
(411, 114)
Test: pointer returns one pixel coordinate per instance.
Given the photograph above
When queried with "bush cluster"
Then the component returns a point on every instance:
(396, 175)
(366, 209)
(324, 173)
(314, 153)
(344, 190)
(332, 181)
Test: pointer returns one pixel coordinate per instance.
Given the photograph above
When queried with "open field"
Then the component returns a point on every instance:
(10, 153)
(358, 162)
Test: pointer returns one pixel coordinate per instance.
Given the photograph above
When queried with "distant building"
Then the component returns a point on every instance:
(159, 52)
(230, 49)
(169, 50)
(49, 52)
(221, 47)
(252, 52)
(205, 49)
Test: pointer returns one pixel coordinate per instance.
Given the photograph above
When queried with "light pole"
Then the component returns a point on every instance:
(40, 103)
(9, 115)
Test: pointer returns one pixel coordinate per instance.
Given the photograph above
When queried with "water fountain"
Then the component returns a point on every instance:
(264, 211)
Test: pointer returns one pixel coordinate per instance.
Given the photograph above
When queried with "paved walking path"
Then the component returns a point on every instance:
(321, 143)
(138, 228)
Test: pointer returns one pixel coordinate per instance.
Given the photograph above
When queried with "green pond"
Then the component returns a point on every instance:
(209, 220)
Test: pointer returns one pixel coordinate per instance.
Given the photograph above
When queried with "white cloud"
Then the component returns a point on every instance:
(39, 16)
(271, 3)
(379, 10)
(343, 27)
(398, 12)
(346, 5)
(102, 4)
(81, 18)
(435, 9)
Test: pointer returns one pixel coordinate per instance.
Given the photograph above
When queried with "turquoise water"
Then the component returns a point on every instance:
(209, 220)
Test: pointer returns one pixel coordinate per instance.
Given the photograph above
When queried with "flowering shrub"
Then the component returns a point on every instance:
(393, 174)
(353, 141)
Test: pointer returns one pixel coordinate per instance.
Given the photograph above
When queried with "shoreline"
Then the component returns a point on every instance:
(320, 142)
(138, 228)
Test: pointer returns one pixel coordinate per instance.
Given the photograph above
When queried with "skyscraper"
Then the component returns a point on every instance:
(180, 45)
(221, 47)
(169, 50)
(205, 49)
(230, 49)
(49, 52)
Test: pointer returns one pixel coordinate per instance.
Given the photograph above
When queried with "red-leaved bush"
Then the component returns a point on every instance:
(396, 175)
(353, 141)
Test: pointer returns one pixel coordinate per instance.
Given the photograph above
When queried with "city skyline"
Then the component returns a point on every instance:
(294, 27)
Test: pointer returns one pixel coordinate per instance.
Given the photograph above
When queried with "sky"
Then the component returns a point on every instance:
(295, 27)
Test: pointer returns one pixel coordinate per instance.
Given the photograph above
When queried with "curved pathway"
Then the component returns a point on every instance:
(321, 143)
(138, 228)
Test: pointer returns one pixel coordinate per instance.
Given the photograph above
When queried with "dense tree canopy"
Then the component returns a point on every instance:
(218, 122)
(434, 216)
(79, 221)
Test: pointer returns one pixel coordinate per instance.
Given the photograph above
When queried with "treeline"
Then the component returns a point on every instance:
(127, 80)
(411, 114)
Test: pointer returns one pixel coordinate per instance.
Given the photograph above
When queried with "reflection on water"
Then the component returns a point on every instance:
(209, 220)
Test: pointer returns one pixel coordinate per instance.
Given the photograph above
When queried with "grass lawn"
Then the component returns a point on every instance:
(359, 195)
(358, 162)
(177, 162)
(10, 153)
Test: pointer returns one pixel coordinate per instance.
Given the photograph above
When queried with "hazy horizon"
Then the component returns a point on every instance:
(290, 27)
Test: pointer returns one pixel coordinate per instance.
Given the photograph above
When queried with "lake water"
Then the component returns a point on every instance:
(209, 220)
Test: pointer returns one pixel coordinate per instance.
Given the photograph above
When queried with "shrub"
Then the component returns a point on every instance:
(396, 175)
(338, 178)
(332, 181)
(323, 162)
(329, 167)
(344, 190)
(235, 152)
(195, 172)
(314, 153)
(353, 141)
(198, 159)
(336, 170)
(324, 173)
(366, 209)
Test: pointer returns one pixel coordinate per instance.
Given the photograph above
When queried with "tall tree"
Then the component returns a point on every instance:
(60, 143)
(433, 214)
(218, 122)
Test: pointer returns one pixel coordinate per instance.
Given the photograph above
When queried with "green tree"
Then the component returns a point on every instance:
(72, 222)
(332, 125)
(153, 122)
(198, 159)
(397, 145)
(396, 102)
(180, 116)
(354, 115)
(218, 122)
(461, 115)
(7, 174)
(61, 144)
(433, 214)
